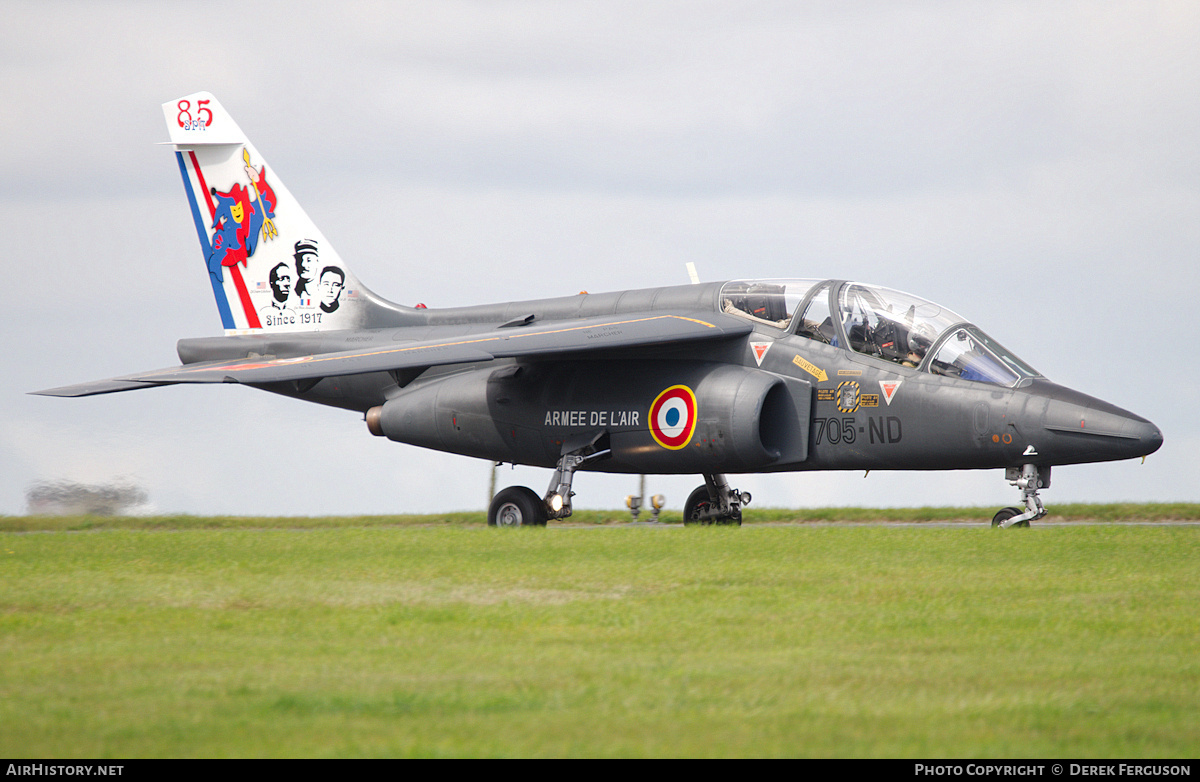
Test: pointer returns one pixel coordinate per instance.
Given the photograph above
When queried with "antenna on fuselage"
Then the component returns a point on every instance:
(692, 275)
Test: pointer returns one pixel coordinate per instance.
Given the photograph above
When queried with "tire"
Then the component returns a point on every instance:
(697, 501)
(1004, 514)
(517, 506)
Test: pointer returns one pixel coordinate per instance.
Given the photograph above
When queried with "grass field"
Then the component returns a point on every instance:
(1126, 511)
(453, 640)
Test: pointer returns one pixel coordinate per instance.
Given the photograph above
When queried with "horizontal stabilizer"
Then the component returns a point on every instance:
(549, 340)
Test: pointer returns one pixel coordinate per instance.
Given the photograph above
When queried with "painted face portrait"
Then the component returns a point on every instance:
(281, 282)
(307, 265)
(305, 253)
(332, 281)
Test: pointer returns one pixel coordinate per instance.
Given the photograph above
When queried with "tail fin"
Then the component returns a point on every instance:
(271, 269)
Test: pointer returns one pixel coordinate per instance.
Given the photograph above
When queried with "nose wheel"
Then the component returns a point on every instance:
(1004, 514)
(1028, 478)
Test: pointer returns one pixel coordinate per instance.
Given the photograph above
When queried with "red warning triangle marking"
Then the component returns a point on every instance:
(889, 389)
(760, 350)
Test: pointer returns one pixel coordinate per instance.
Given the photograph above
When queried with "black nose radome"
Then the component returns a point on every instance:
(1081, 428)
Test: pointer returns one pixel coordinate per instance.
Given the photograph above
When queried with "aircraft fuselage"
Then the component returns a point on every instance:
(768, 401)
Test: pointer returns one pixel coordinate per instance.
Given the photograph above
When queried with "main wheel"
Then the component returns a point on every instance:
(697, 503)
(517, 506)
(1004, 514)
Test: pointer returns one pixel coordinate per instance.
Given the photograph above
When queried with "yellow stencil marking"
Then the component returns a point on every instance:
(811, 369)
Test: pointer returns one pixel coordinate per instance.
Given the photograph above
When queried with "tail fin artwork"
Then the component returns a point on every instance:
(271, 269)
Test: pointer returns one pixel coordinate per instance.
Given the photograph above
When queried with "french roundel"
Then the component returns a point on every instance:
(673, 417)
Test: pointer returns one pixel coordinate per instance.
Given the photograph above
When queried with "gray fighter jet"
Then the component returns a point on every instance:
(717, 378)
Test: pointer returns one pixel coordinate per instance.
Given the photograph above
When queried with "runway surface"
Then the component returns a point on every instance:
(963, 524)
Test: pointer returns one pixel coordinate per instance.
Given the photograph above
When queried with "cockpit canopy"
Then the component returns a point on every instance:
(879, 322)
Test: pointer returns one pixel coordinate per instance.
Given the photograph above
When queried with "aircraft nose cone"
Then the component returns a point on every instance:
(1083, 428)
(1150, 436)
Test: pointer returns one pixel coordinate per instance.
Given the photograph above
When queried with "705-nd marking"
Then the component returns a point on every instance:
(879, 429)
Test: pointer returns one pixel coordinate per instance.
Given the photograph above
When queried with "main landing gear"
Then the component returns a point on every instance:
(519, 506)
(1028, 478)
(715, 503)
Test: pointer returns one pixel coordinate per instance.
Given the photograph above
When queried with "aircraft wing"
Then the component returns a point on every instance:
(94, 387)
(551, 339)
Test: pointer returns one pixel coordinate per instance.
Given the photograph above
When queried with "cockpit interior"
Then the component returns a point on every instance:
(879, 322)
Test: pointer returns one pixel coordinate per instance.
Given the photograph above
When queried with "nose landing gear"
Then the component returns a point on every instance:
(1028, 478)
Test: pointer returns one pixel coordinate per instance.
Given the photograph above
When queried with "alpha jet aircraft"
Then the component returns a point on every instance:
(718, 378)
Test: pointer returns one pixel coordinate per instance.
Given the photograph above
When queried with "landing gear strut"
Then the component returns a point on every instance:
(558, 496)
(1028, 478)
(519, 506)
(715, 503)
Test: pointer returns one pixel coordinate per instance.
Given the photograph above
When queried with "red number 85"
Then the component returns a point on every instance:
(184, 118)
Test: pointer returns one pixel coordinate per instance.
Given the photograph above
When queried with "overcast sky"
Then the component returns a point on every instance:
(1033, 166)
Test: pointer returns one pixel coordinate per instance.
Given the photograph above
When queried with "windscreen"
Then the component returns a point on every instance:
(972, 355)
